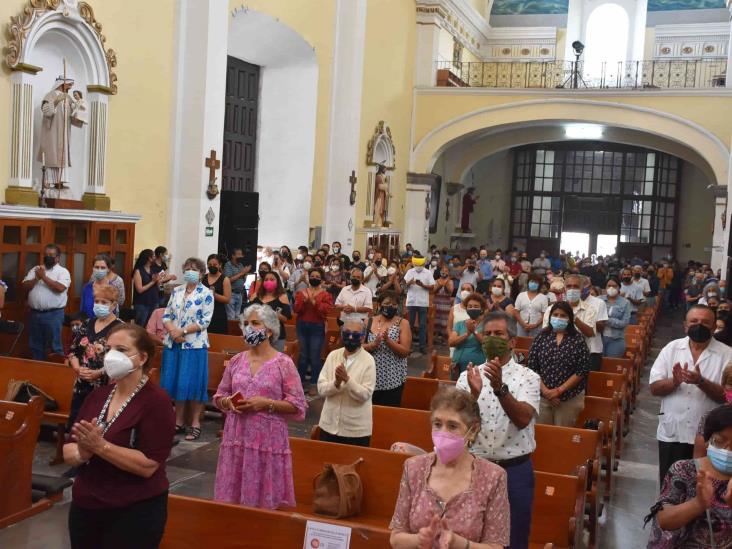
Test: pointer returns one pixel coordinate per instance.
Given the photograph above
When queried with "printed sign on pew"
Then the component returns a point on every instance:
(321, 535)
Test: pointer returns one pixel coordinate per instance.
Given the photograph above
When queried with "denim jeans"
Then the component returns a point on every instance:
(233, 307)
(421, 313)
(311, 336)
(613, 347)
(44, 330)
(142, 314)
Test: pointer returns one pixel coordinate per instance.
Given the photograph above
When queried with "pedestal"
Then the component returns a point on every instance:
(96, 201)
(21, 196)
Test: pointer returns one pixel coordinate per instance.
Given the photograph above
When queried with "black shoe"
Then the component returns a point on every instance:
(71, 473)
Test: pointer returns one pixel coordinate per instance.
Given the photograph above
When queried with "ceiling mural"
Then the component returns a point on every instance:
(552, 7)
(529, 7)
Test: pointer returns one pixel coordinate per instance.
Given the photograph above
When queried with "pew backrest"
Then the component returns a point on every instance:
(603, 384)
(55, 379)
(230, 344)
(401, 425)
(559, 506)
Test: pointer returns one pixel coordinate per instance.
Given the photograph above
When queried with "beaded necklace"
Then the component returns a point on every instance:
(103, 414)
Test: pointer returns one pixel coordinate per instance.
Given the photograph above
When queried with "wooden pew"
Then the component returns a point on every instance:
(418, 392)
(331, 343)
(605, 410)
(397, 425)
(380, 474)
(622, 366)
(559, 506)
(233, 328)
(440, 367)
(524, 342)
(194, 523)
(577, 448)
(19, 428)
(54, 379)
(606, 385)
(217, 363)
(230, 344)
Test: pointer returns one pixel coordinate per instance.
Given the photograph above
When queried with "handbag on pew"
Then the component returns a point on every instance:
(23, 391)
(338, 490)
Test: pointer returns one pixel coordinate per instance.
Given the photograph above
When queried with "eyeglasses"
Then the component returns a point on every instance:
(720, 443)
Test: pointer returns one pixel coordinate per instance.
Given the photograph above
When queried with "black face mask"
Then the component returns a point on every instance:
(262, 273)
(473, 313)
(238, 260)
(357, 258)
(315, 282)
(636, 276)
(355, 282)
(471, 269)
(49, 261)
(213, 270)
(389, 311)
(699, 333)
(627, 279)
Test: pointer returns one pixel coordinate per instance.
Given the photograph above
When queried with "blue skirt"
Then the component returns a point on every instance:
(185, 373)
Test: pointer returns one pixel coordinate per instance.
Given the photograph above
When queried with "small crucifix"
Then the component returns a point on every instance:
(213, 164)
(352, 180)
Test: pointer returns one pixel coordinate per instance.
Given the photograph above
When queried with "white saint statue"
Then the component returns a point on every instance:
(79, 110)
(56, 109)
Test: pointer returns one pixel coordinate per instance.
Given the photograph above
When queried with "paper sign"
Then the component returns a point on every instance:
(576, 439)
(9, 415)
(549, 491)
(321, 535)
(610, 383)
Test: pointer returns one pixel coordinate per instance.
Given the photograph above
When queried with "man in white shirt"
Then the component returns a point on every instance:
(420, 282)
(585, 315)
(642, 282)
(601, 318)
(508, 396)
(47, 286)
(355, 299)
(632, 292)
(542, 264)
(687, 375)
(347, 382)
(374, 273)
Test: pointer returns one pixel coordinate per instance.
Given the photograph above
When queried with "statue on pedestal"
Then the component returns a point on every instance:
(469, 202)
(381, 195)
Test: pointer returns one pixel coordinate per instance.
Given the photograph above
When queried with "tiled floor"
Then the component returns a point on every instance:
(192, 470)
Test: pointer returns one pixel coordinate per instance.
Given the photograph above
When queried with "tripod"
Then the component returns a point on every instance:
(575, 78)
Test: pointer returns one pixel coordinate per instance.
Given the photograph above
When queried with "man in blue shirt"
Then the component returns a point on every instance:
(236, 271)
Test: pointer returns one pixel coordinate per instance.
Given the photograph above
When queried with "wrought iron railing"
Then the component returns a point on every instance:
(652, 74)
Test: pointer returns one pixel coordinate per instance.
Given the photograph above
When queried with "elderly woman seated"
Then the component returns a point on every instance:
(693, 509)
(441, 492)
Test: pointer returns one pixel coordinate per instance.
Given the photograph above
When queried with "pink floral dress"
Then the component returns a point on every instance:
(255, 463)
(480, 514)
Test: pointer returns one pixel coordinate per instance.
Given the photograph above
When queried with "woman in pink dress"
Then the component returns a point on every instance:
(255, 464)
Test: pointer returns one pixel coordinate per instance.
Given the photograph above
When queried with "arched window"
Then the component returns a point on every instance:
(607, 41)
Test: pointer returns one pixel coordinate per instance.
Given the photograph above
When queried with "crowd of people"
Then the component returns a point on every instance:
(576, 309)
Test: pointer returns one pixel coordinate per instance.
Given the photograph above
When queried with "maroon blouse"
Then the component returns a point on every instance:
(147, 424)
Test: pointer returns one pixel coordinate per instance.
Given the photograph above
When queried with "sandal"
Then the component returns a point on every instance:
(194, 434)
(180, 429)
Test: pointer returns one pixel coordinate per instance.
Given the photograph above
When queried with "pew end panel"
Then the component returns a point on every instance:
(558, 512)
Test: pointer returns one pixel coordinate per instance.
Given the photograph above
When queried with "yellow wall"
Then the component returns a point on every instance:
(696, 216)
(387, 95)
(314, 20)
(138, 150)
(561, 43)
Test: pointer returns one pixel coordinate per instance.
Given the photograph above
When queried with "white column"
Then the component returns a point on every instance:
(574, 27)
(21, 131)
(416, 222)
(345, 122)
(729, 49)
(721, 229)
(428, 47)
(97, 143)
(199, 125)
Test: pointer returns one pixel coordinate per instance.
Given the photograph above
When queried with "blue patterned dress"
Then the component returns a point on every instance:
(185, 365)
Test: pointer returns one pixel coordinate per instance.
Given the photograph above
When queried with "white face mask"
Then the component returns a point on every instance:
(307, 265)
(118, 365)
(495, 290)
(464, 294)
(612, 291)
(391, 271)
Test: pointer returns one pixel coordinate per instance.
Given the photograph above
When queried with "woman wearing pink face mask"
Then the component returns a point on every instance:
(449, 498)
(700, 445)
(273, 294)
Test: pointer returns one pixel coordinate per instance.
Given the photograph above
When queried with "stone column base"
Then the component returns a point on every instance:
(21, 196)
(96, 201)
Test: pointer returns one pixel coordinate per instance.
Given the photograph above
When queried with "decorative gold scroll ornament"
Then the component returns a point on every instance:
(380, 130)
(20, 26)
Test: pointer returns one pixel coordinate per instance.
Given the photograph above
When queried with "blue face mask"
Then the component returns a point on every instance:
(721, 459)
(573, 295)
(351, 340)
(558, 324)
(533, 286)
(101, 310)
(191, 277)
(99, 274)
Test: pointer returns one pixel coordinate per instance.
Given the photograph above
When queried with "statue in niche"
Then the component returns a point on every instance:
(469, 202)
(59, 111)
(381, 195)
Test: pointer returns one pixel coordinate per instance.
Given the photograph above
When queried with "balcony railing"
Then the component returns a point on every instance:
(653, 74)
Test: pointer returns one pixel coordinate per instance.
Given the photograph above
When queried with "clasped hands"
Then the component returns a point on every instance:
(684, 375)
(251, 404)
(705, 491)
(552, 395)
(341, 375)
(88, 437)
(436, 534)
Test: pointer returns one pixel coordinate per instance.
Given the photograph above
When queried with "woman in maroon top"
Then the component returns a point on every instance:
(311, 306)
(123, 435)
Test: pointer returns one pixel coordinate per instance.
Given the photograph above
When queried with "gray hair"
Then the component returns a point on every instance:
(502, 316)
(268, 317)
(354, 319)
(196, 263)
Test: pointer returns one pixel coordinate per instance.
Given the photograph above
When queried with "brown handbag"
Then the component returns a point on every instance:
(338, 491)
(23, 390)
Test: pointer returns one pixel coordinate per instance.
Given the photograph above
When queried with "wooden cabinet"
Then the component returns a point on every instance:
(21, 248)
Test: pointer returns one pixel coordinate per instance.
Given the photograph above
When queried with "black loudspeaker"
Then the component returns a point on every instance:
(238, 224)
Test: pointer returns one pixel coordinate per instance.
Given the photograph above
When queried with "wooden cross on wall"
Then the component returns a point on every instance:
(213, 164)
(353, 180)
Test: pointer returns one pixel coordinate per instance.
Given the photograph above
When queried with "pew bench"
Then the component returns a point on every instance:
(440, 367)
(55, 379)
(558, 511)
(604, 410)
(194, 523)
(606, 385)
(418, 392)
(380, 474)
(623, 366)
(229, 344)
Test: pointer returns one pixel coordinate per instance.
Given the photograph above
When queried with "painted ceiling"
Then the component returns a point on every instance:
(551, 7)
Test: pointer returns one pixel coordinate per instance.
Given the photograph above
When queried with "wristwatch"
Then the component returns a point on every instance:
(502, 391)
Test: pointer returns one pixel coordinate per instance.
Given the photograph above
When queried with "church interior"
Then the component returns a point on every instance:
(405, 128)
